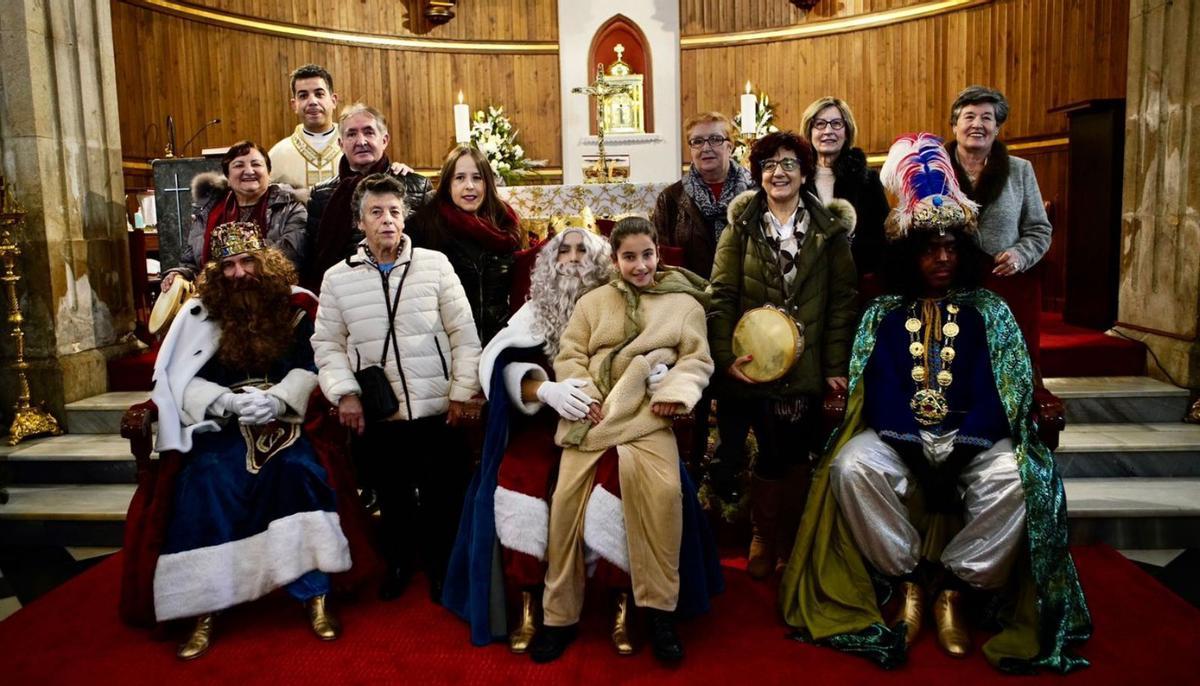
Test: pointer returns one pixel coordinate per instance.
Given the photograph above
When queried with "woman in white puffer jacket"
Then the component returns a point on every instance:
(432, 365)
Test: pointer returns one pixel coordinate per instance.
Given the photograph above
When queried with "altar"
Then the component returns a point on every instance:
(606, 200)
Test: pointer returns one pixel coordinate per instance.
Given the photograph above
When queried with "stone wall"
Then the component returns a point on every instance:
(1160, 251)
(62, 155)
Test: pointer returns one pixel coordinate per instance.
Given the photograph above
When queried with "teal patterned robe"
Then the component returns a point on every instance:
(827, 592)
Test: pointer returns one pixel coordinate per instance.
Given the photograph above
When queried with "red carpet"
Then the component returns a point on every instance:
(1069, 350)
(1144, 635)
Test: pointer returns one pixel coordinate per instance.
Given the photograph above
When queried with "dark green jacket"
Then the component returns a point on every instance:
(746, 275)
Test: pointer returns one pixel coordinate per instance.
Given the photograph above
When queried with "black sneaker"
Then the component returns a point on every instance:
(549, 643)
(395, 581)
(664, 640)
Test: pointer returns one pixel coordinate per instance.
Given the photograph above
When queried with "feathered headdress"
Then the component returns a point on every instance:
(918, 173)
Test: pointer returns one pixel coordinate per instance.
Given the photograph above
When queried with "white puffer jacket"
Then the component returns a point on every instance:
(439, 347)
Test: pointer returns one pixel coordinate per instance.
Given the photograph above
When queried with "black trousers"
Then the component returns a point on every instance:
(420, 471)
(782, 444)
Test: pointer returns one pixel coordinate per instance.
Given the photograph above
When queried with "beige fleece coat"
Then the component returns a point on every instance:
(673, 333)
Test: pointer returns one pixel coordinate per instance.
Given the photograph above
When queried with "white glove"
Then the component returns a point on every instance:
(224, 404)
(657, 373)
(566, 398)
(259, 408)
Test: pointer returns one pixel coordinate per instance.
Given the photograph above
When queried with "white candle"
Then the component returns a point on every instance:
(462, 121)
(749, 111)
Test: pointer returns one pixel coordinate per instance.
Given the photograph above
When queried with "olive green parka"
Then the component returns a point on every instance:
(746, 275)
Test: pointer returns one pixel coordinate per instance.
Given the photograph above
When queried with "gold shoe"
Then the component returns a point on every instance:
(951, 626)
(522, 636)
(911, 611)
(200, 640)
(324, 624)
(621, 638)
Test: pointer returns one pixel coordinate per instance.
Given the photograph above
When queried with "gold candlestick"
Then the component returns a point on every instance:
(28, 420)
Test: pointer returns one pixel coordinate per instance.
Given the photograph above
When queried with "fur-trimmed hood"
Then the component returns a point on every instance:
(832, 218)
(209, 187)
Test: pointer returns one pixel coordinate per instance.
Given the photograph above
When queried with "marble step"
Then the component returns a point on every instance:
(70, 459)
(1137, 513)
(1117, 399)
(101, 414)
(1129, 450)
(1140, 513)
(65, 514)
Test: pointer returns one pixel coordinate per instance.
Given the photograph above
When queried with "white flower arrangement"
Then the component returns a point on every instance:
(493, 134)
(764, 114)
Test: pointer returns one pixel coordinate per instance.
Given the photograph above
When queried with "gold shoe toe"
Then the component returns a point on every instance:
(621, 638)
(324, 624)
(522, 636)
(200, 640)
(953, 636)
(911, 611)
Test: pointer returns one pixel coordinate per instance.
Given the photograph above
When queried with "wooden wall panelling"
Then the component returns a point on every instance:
(698, 17)
(196, 71)
(516, 20)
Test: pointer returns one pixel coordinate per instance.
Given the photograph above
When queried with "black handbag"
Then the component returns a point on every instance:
(375, 391)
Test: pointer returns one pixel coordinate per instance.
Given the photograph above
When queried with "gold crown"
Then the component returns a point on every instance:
(234, 238)
(939, 213)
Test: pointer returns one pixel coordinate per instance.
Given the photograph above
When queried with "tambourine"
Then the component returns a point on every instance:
(168, 304)
(774, 339)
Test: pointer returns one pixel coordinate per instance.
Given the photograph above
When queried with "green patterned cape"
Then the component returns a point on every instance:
(827, 592)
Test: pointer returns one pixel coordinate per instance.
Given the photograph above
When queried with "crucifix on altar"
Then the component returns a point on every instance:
(603, 89)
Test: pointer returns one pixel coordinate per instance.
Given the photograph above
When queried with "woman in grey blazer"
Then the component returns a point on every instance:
(1013, 227)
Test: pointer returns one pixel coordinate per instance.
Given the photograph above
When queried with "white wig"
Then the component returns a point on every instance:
(555, 288)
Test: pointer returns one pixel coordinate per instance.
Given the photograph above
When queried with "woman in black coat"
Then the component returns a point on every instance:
(842, 172)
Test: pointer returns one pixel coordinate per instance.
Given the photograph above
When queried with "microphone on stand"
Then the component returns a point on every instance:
(169, 152)
(198, 132)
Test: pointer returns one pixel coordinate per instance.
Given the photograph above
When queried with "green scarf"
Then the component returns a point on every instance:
(827, 591)
(666, 280)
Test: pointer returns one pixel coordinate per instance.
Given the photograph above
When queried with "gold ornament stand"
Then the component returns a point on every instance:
(28, 420)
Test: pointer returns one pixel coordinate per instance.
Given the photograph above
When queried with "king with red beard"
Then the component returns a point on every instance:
(252, 506)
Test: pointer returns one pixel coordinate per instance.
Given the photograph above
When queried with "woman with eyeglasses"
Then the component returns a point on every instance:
(784, 249)
(690, 214)
(842, 172)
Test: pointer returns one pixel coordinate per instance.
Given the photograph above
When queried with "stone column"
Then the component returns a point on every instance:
(1160, 232)
(61, 151)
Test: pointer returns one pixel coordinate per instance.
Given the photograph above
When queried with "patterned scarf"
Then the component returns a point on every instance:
(713, 209)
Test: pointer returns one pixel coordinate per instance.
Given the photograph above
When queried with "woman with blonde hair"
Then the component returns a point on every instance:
(842, 172)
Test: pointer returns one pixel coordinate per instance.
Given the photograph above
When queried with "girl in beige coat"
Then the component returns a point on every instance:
(616, 334)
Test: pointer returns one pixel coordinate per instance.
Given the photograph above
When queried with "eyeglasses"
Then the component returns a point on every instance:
(788, 163)
(713, 140)
(835, 124)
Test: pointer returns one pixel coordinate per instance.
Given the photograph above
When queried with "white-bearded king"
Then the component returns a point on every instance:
(508, 500)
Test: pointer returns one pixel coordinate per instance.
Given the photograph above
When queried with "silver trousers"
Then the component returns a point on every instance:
(871, 483)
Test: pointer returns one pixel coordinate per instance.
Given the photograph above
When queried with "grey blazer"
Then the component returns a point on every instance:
(1017, 220)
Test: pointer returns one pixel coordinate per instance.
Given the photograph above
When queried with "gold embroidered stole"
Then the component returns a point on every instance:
(318, 164)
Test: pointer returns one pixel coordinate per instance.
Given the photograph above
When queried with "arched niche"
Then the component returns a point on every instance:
(621, 29)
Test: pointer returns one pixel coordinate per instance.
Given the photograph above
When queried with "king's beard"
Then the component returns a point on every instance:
(255, 320)
(554, 294)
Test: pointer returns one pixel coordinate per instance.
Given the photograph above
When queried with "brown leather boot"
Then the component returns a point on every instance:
(766, 496)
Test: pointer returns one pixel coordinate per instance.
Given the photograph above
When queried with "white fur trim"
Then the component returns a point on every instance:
(514, 374)
(518, 333)
(294, 390)
(203, 580)
(604, 528)
(522, 522)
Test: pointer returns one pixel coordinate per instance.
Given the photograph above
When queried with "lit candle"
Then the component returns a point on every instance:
(749, 111)
(462, 121)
